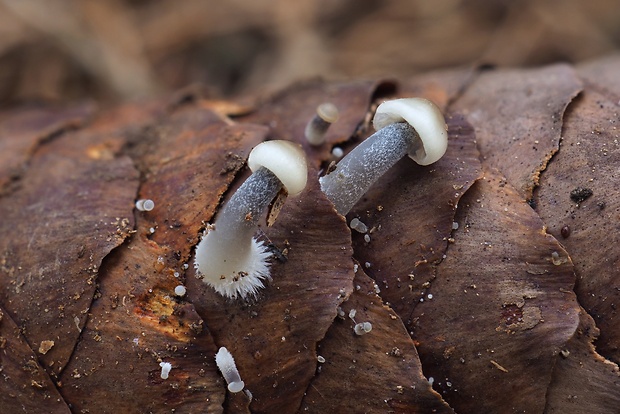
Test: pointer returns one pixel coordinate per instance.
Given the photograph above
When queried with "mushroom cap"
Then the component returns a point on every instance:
(328, 112)
(283, 158)
(236, 386)
(425, 117)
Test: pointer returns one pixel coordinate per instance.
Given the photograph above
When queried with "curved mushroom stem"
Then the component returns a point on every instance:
(356, 172)
(241, 214)
(229, 252)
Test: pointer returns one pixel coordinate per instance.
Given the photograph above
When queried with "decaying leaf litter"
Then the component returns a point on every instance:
(134, 321)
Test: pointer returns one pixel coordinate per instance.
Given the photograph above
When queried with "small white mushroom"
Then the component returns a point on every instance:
(362, 328)
(352, 314)
(180, 290)
(412, 126)
(357, 224)
(165, 369)
(229, 258)
(145, 204)
(326, 114)
(226, 364)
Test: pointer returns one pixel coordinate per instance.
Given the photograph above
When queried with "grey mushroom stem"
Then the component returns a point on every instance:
(363, 166)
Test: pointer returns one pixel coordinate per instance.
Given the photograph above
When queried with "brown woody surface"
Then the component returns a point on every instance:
(495, 316)
(342, 382)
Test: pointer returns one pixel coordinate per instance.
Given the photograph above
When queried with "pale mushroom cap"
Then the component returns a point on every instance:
(328, 112)
(283, 158)
(180, 290)
(425, 117)
(236, 386)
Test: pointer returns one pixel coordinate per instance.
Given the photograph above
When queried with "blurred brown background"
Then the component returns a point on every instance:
(66, 50)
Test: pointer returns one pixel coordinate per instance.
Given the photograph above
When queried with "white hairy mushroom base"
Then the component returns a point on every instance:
(229, 258)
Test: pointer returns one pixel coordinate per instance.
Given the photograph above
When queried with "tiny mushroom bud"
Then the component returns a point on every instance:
(145, 205)
(229, 258)
(180, 290)
(362, 328)
(326, 114)
(411, 126)
(165, 369)
(226, 364)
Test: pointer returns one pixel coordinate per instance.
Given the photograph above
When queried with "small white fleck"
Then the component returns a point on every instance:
(431, 380)
(185, 266)
(152, 230)
(429, 296)
(337, 152)
(180, 290)
(367, 265)
(320, 359)
(176, 274)
(455, 225)
(352, 314)
(366, 238)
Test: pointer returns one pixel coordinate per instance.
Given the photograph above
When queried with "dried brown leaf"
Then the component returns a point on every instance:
(70, 211)
(376, 372)
(26, 387)
(135, 323)
(517, 115)
(500, 308)
(21, 130)
(583, 381)
(589, 157)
